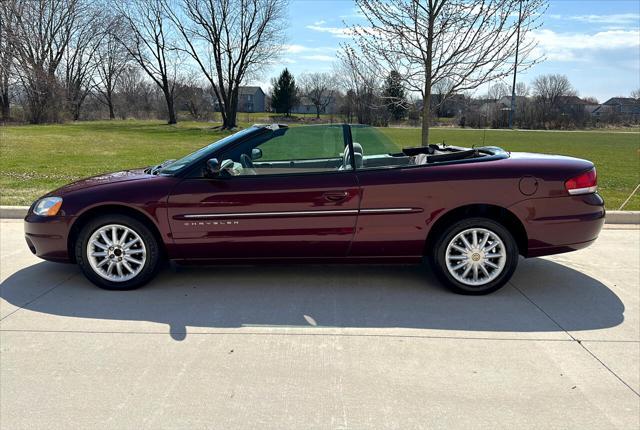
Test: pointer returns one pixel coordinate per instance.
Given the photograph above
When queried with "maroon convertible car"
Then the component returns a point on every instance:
(326, 193)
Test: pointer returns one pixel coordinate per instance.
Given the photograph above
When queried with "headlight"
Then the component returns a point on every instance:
(49, 206)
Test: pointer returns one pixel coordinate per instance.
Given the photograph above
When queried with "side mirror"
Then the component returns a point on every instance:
(215, 169)
(256, 154)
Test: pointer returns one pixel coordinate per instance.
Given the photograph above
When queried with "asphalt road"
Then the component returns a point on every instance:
(328, 347)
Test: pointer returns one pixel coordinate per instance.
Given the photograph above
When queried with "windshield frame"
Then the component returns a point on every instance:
(206, 151)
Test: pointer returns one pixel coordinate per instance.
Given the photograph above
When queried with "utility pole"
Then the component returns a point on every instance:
(515, 71)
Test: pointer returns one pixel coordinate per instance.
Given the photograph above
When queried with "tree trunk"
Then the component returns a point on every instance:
(426, 108)
(317, 112)
(171, 110)
(231, 110)
(112, 114)
(426, 112)
(6, 107)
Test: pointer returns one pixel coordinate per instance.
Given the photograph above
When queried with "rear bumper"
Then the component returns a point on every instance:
(560, 224)
(47, 237)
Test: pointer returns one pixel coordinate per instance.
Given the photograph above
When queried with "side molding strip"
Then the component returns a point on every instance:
(301, 213)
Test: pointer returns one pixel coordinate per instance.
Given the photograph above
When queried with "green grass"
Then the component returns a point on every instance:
(36, 159)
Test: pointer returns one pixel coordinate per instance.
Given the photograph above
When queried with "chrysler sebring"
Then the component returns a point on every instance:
(328, 194)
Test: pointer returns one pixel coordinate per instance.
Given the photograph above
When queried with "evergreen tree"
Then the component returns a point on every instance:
(394, 96)
(284, 95)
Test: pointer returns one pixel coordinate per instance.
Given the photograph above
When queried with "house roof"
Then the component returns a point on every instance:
(248, 90)
(624, 101)
(571, 100)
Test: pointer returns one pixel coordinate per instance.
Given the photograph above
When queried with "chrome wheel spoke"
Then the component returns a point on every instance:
(99, 254)
(484, 241)
(102, 263)
(99, 245)
(132, 260)
(466, 242)
(490, 264)
(457, 248)
(127, 266)
(104, 237)
(491, 247)
(127, 245)
(467, 270)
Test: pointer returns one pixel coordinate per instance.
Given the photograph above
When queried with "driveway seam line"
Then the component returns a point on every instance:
(576, 340)
(39, 296)
(283, 334)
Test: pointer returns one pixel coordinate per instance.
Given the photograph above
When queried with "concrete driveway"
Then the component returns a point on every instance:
(335, 347)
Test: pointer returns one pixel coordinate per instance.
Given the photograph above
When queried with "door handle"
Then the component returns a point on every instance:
(336, 196)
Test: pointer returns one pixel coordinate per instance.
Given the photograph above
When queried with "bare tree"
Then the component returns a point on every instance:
(362, 91)
(319, 88)
(6, 61)
(149, 41)
(550, 88)
(497, 91)
(635, 94)
(111, 60)
(39, 34)
(78, 63)
(467, 43)
(522, 90)
(229, 39)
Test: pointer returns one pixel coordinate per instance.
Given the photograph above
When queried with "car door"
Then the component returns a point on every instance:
(293, 199)
(396, 200)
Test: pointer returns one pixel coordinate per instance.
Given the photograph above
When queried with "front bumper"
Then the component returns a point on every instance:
(560, 224)
(47, 237)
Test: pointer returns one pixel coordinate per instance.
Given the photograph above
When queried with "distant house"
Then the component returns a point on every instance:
(623, 106)
(505, 102)
(448, 106)
(571, 105)
(305, 106)
(251, 99)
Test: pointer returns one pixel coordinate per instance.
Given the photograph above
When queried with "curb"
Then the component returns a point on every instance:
(622, 217)
(613, 217)
(13, 212)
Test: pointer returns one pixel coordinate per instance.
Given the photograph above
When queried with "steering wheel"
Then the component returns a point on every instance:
(246, 161)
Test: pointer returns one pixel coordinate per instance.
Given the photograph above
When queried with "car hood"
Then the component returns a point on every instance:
(107, 178)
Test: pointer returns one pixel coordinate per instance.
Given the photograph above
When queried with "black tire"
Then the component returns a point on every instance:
(150, 266)
(438, 256)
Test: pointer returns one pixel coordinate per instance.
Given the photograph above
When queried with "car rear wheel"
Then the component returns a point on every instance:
(117, 252)
(475, 256)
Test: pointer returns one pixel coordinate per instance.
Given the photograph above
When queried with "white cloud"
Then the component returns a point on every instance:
(575, 46)
(616, 18)
(318, 57)
(298, 49)
(343, 32)
(322, 21)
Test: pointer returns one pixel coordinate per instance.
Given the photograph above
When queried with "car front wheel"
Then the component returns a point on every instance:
(117, 252)
(475, 256)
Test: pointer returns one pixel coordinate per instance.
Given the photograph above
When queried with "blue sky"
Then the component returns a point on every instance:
(595, 43)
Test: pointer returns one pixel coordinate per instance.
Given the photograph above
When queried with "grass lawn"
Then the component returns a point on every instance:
(36, 159)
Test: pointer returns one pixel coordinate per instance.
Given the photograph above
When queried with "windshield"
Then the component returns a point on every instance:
(187, 160)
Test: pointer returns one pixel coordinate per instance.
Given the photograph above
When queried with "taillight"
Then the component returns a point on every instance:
(584, 183)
